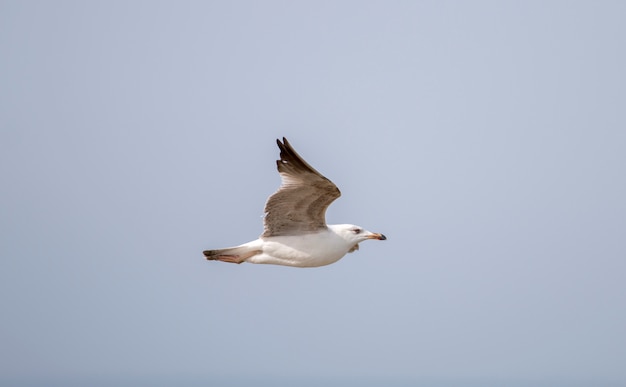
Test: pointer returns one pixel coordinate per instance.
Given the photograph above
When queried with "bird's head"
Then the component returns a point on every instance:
(355, 234)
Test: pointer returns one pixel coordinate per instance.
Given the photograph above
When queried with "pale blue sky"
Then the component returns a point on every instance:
(486, 140)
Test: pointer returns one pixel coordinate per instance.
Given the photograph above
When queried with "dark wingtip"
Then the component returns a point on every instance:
(282, 145)
(382, 237)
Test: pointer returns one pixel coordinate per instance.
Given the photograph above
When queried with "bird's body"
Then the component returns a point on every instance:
(295, 232)
(308, 250)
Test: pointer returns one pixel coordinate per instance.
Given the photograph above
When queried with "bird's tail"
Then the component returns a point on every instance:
(232, 254)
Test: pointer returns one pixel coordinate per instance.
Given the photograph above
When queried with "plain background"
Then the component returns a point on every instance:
(486, 139)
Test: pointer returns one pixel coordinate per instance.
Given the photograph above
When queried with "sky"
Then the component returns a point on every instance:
(485, 139)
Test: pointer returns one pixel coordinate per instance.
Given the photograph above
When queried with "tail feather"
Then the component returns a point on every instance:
(232, 254)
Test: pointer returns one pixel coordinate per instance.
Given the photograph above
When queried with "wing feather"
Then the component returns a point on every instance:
(300, 204)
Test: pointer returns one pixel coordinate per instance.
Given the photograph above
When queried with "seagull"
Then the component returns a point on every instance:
(295, 230)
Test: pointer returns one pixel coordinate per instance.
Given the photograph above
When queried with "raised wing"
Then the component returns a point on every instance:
(299, 206)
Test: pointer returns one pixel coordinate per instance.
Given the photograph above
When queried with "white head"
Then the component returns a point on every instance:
(354, 234)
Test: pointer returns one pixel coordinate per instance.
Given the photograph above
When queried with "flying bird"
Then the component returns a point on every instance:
(295, 230)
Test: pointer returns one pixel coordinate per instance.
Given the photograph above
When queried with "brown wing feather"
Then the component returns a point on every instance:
(300, 203)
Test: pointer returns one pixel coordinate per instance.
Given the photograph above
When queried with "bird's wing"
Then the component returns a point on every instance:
(299, 206)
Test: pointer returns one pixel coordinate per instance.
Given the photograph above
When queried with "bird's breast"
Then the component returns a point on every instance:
(317, 249)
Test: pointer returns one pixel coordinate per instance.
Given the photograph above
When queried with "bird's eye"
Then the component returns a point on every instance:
(356, 230)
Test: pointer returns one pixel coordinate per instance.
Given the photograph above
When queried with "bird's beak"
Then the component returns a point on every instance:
(378, 236)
